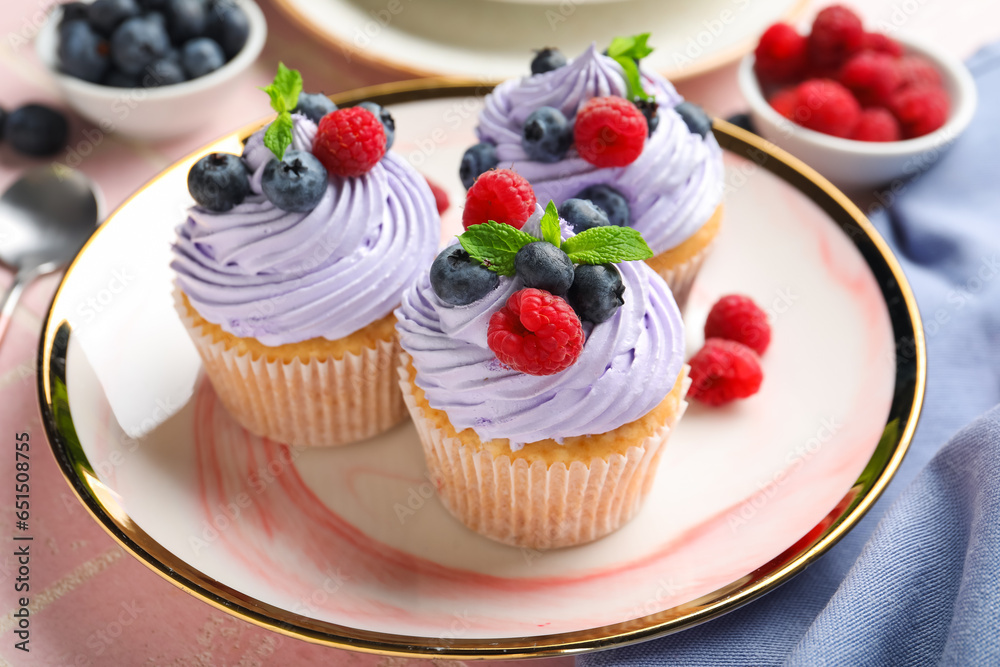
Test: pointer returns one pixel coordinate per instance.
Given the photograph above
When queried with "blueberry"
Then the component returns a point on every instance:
(546, 60)
(186, 19)
(119, 79)
(596, 292)
(609, 200)
(3, 120)
(742, 120)
(73, 11)
(314, 106)
(201, 56)
(163, 72)
(136, 43)
(229, 26)
(153, 5)
(219, 181)
(385, 118)
(583, 214)
(649, 109)
(296, 183)
(36, 130)
(546, 135)
(82, 52)
(544, 266)
(106, 15)
(477, 159)
(695, 118)
(459, 280)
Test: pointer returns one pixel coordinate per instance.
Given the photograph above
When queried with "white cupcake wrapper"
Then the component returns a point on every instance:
(536, 505)
(681, 278)
(305, 404)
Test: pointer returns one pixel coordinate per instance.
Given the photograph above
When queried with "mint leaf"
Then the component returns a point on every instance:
(607, 245)
(550, 224)
(278, 136)
(284, 90)
(494, 245)
(626, 51)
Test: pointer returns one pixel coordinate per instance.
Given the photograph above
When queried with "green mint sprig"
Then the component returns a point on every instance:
(284, 93)
(626, 51)
(495, 245)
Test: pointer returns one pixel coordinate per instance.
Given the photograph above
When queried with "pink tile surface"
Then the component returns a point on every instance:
(92, 604)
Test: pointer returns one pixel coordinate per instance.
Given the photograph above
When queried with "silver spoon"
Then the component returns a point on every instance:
(45, 217)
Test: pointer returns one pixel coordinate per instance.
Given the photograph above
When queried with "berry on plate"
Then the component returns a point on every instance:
(542, 265)
(219, 181)
(836, 35)
(609, 200)
(596, 293)
(583, 214)
(780, 56)
(826, 106)
(872, 77)
(610, 132)
(349, 142)
(723, 371)
(384, 117)
(314, 106)
(546, 135)
(697, 121)
(535, 333)
(877, 124)
(546, 60)
(920, 109)
(737, 317)
(459, 280)
(295, 183)
(477, 159)
(500, 195)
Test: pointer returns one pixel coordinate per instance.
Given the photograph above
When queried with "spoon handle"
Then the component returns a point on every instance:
(9, 300)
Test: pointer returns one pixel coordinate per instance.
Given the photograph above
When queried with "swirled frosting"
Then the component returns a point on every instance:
(672, 188)
(283, 277)
(628, 364)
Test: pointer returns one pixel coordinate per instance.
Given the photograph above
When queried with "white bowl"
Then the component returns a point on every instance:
(151, 113)
(853, 164)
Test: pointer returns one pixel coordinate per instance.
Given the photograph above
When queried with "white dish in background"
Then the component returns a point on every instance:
(151, 113)
(856, 164)
(349, 547)
(487, 40)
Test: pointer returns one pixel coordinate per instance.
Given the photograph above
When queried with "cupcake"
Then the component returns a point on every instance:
(543, 370)
(599, 129)
(289, 268)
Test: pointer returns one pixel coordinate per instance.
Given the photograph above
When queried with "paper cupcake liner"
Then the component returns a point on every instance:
(680, 278)
(537, 505)
(319, 403)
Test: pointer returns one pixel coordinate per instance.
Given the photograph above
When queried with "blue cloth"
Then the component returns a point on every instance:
(917, 582)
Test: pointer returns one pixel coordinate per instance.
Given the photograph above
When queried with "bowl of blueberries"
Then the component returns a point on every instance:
(139, 67)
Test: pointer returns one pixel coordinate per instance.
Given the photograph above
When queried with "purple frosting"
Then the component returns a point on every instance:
(283, 277)
(672, 188)
(628, 364)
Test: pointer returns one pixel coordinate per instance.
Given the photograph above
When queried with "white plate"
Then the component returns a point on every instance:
(490, 41)
(350, 546)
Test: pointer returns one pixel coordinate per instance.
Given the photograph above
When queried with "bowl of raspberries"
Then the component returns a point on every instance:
(143, 68)
(862, 108)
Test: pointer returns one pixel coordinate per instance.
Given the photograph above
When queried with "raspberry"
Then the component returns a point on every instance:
(440, 196)
(826, 106)
(724, 370)
(610, 132)
(920, 110)
(872, 77)
(917, 71)
(785, 102)
(349, 142)
(836, 35)
(500, 195)
(879, 43)
(780, 56)
(536, 333)
(876, 124)
(736, 317)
